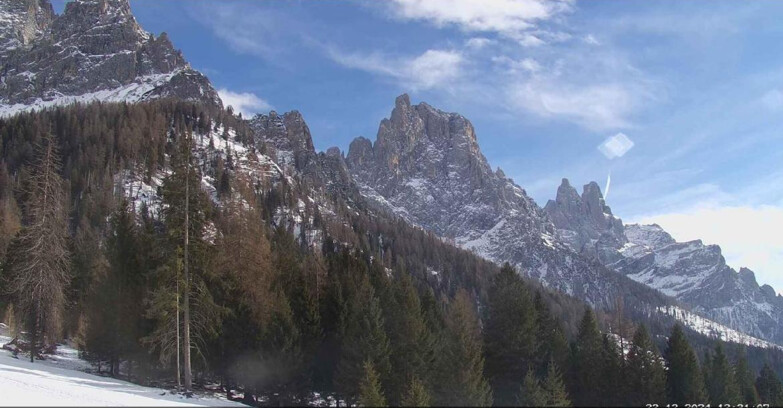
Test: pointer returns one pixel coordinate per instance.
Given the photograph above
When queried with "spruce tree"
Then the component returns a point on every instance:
(461, 365)
(745, 381)
(588, 363)
(365, 340)
(370, 392)
(684, 381)
(416, 395)
(510, 335)
(531, 394)
(645, 374)
(412, 344)
(554, 388)
(769, 387)
(37, 270)
(721, 385)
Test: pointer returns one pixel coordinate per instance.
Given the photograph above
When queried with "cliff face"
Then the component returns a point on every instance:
(426, 166)
(95, 50)
(691, 272)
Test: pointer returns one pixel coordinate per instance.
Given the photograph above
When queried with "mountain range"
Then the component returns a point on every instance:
(425, 167)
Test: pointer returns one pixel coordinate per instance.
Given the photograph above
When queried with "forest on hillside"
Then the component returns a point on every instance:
(212, 288)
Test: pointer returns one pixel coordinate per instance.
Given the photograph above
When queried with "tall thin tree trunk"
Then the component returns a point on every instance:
(186, 300)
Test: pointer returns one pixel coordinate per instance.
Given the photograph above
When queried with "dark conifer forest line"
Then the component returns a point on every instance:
(373, 312)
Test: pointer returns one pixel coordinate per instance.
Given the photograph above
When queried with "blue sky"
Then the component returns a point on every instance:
(697, 86)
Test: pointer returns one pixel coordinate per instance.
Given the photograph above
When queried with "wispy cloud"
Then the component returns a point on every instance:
(431, 69)
(515, 19)
(244, 102)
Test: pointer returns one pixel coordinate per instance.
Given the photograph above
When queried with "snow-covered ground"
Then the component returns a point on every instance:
(60, 381)
(713, 329)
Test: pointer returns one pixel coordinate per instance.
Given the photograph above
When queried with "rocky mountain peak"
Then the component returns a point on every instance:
(94, 50)
(748, 277)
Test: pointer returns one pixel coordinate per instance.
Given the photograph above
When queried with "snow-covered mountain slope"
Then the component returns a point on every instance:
(95, 50)
(693, 273)
(712, 329)
(61, 380)
(426, 167)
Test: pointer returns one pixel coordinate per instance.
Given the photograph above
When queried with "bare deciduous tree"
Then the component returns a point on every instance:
(37, 271)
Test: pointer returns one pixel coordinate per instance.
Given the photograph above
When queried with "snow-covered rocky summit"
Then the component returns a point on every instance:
(426, 167)
(691, 272)
(95, 50)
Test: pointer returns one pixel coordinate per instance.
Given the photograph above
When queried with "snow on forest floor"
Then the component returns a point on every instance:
(60, 380)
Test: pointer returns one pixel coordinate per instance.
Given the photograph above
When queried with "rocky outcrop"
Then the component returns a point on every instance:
(585, 223)
(95, 50)
(426, 167)
(691, 272)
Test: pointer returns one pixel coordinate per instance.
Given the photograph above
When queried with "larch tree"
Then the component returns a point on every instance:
(37, 270)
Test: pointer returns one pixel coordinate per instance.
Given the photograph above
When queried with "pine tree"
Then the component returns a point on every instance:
(554, 388)
(37, 269)
(721, 385)
(769, 387)
(370, 392)
(745, 382)
(416, 395)
(510, 335)
(684, 381)
(588, 363)
(461, 365)
(645, 374)
(530, 393)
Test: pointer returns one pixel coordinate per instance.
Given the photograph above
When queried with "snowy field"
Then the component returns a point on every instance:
(61, 381)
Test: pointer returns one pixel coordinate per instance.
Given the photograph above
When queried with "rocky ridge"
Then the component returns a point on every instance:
(426, 167)
(691, 272)
(95, 50)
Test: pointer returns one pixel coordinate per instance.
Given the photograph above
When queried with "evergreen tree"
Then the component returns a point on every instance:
(416, 395)
(769, 387)
(365, 340)
(116, 315)
(721, 385)
(552, 344)
(645, 374)
(684, 381)
(611, 383)
(587, 363)
(36, 272)
(461, 365)
(510, 335)
(745, 382)
(370, 392)
(412, 344)
(530, 393)
(554, 388)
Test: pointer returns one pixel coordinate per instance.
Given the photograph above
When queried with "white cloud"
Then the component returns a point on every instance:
(615, 146)
(244, 102)
(510, 18)
(478, 43)
(431, 69)
(773, 100)
(749, 236)
(596, 106)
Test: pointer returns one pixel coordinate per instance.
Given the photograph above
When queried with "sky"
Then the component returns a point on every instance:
(681, 102)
